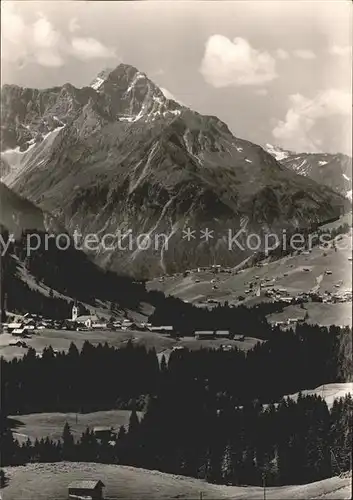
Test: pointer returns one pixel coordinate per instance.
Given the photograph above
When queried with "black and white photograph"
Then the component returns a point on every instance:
(176, 250)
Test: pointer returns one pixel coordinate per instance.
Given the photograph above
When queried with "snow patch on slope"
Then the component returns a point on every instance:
(97, 83)
(19, 160)
(276, 152)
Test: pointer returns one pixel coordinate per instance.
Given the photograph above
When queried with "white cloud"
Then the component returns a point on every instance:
(235, 63)
(74, 25)
(311, 124)
(90, 48)
(340, 50)
(46, 42)
(304, 54)
(12, 25)
(39, 42)
(13, 33)
(49, 58)
(282, 54)
(44, 35)
(261, 92)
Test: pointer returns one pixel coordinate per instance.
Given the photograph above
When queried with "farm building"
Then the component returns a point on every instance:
(86, 489)
(87, 320)
(13, 326)
(204, 334)
(162, 329)
(100, 326)
(104, 433)
(286, 299)
(20, 332)
(222, 334)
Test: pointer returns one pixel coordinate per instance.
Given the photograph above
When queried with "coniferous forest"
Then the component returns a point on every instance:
(209, 413)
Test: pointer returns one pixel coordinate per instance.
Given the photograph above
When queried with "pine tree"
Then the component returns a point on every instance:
(10, 449)
(134, 423)
(88, 446)
(227, 470)
(2, 479)
(164, 366)
(68, 443)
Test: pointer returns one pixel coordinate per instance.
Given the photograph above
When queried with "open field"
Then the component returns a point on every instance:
(50, 481)
(287, 273)
(41, 425)
(319, 313)
(61, 340)
(329, 392)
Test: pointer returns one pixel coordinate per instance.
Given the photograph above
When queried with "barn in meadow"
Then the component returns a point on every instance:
(87, 489)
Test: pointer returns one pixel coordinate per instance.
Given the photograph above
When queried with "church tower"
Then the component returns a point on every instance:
(74, 312)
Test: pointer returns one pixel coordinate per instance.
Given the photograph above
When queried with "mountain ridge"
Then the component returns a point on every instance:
(333, 170)
(124, 157)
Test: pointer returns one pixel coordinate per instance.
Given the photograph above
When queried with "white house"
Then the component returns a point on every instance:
(87, 320)
(13, 326)
(225, 334)
(162, 329)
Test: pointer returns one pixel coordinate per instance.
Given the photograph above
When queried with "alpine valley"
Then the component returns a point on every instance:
(118, 156)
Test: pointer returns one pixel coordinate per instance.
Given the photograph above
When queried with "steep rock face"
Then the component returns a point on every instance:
(119, 156)
(333, 170)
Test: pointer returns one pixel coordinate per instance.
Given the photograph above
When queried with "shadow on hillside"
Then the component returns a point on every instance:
(4, 481)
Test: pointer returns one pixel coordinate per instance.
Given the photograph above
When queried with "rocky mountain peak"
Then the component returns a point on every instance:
(119, 154)
(130, 95)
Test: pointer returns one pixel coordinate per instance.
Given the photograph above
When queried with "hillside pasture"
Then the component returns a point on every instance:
(61, 340)
(50, 481)
(41, 425)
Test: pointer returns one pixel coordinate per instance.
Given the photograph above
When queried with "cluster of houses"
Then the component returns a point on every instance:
(326, 297)
(26, 326)
(290, 322)
(215, 269)
(216, 334)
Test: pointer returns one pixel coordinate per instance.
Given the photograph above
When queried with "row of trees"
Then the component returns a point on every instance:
(186, 318)
(291, 442)
(99, 377)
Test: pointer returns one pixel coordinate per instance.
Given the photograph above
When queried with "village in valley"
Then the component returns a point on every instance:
(307, 286)
(176, 250)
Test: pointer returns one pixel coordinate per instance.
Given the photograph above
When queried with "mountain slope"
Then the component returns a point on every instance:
(18, 214)
(119, 156)
(46, 280)
(45, 481)
(332, 170)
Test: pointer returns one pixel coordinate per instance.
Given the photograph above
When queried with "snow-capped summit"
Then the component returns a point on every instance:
(277, 152)
(100, 78)
(333, 170)
(120, 154)
(131, 96)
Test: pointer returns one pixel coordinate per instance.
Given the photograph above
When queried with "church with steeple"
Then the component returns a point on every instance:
(74, 314)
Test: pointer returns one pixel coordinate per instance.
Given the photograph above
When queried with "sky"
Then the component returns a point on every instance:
(276, 72)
